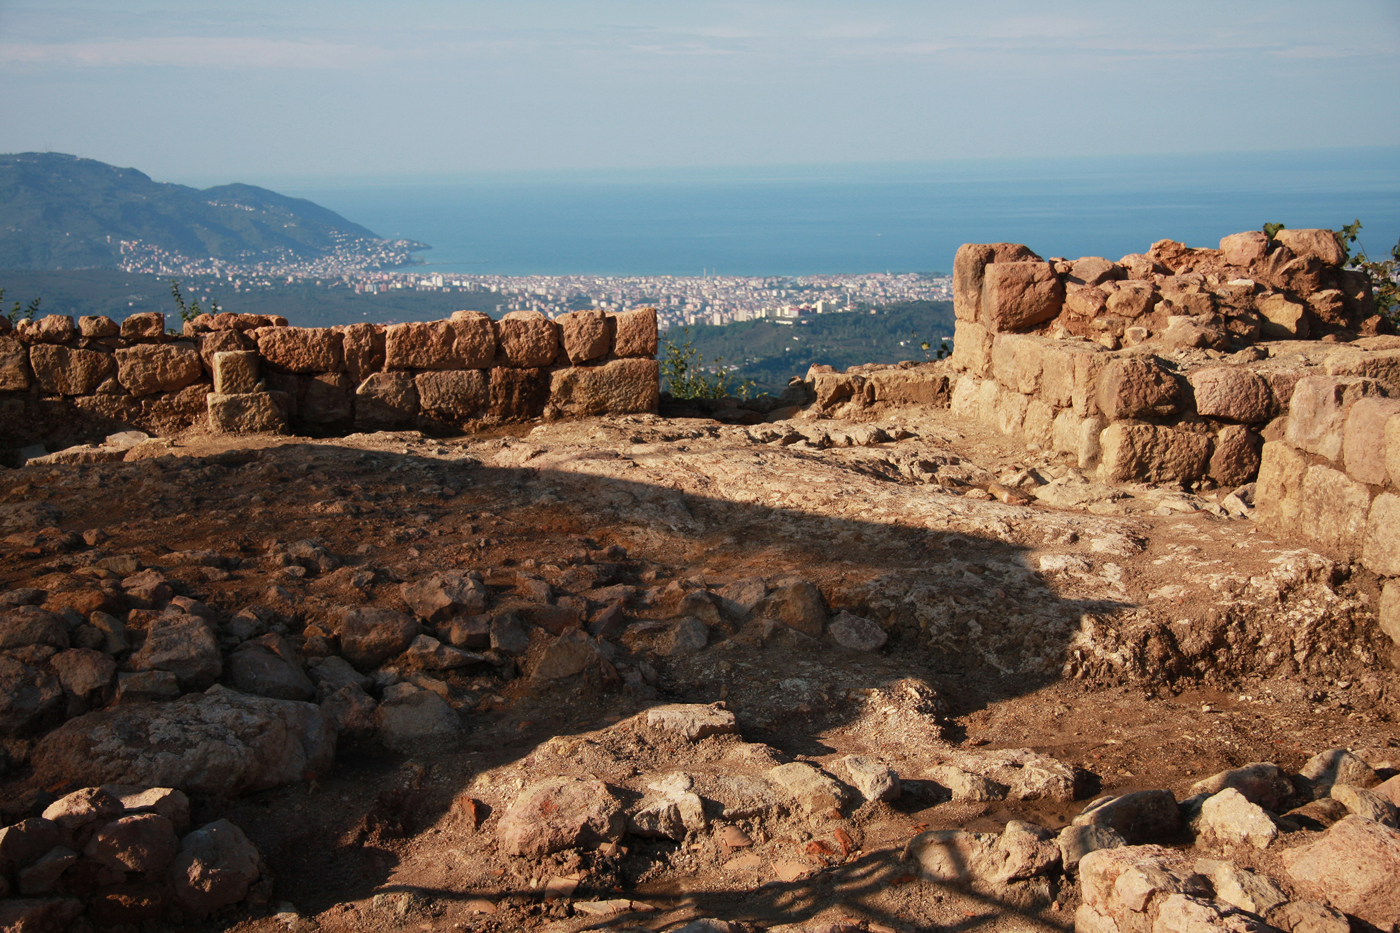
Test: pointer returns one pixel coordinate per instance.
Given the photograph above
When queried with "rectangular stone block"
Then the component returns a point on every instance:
(1364, 444)
(301, 349)
(1133, 451)
(247, 413)
(1392, 451)
(326, 399)
(1057, 365)
(149, 368)
(438, 345)
(626, 386)
(1380, 365)
(221, 341)
(1390, 610)
(1318, 410)
(585, 335)
(526, 340)
(1087, 368)
(965, 395)
(972, 348)
(454, 394)
(1334, 509)
(61, 371)
(15, 374)
(385, 401)
(1278, 492)
(1019, 295)
(969, 268)
(909, 387)
(1381, 550)
(235, 371)
(1008, 410)
(363, 346)
(634, 333)
(518, 394)
(1038, 428)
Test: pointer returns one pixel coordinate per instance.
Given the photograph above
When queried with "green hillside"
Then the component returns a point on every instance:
(63, 212)
(770, 353)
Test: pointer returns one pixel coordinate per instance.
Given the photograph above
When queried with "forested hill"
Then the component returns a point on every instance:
(770, 353)
(63, 212)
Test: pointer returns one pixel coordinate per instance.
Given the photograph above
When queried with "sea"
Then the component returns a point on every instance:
(837, 219)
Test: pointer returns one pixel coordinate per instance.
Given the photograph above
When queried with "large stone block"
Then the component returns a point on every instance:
(475, 339)
(1278, 494)
(1038, 428)
(1087, 369)
(1390, 610)
(1392, 451)
(1320, 243)
(527, 339)
(1131, 299)
(1136, 452)
(150, 368)
(1235, 458)
(518, 394)
(1381, 365)
(1009, 410)
(146, 325)
(1078, 435)
(435, 345)
(1364, 443)
(326, 399)
(235, 371)
(61, 371)
(964, 400)
(1381, 550)
(1353, 868)
(453, 394)
(1283, 319)
(1318, 410)
(969, 265)
(634, 333)
(363, 347)
(301, 349)
(1020, 295)
(585, 335)
(1017, 361)
(247, 413)
(1058, 362)
(15, 374)
(1333, 511)
(385, 401)
(616, 387)
(1131, 387)
(1244, 249)
(909, 387)
(222, 341)
(972, 348)
(1232, 394)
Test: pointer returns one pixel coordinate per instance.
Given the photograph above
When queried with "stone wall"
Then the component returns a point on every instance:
(62, 382)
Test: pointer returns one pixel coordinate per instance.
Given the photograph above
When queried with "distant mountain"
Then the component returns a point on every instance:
(63, 212)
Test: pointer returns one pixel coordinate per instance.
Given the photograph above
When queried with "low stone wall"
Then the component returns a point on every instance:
(61, 382)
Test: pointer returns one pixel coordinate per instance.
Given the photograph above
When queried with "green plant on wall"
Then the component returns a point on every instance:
(686, 376)
(188, 312)
(17, 314)
(1382, 274)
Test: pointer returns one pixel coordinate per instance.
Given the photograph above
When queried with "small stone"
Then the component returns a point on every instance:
(692, 721)
(1078, 841)
(213, 868)
(1365, 804)
(964, 785)
(874, 779)
(812, 788)
(856, 633)
(560, 813)
(142, 842)
(1230, 818)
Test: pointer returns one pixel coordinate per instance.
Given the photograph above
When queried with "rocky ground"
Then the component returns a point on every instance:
(639, 671)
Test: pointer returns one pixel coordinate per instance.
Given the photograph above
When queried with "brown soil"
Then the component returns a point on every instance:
(389, 842)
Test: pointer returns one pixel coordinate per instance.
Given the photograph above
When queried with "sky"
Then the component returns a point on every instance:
(205, 92)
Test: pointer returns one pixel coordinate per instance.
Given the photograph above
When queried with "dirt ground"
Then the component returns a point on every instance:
(989, 650)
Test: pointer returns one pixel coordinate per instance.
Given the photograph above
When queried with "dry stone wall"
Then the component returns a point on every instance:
(61, 381)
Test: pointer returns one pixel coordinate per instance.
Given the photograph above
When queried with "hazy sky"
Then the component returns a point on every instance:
(243, 90)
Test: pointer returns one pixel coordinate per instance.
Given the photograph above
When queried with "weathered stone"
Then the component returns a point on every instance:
(29, 696)
(1091, 270)
(585, 335)
(248, 413)
(571, 653)
(1235, 457)
(983, 860)
(692, 721)
(1043, 778)
(1130, 300)
(184, 645)
(1278, 495)
(872, 778)
(364, 351)
(444, 594)
(1233, 394)
(1132, 451)
(1132, 387)
(1282, 319)
(1333, 510)
(561, 813)
(1320, 243)
(634, 333)
(1361, 802)
(797, 604)
(100, 326)
(25, 841)
(15, 374)
(301, 349)
(969, 265)
(1364, 444)
(1262, 783)
(371, 636)
(1075, 842)
(909, 387)
(518, 394)
(326, 399)
(1244, 249)
(40, 877)
(38, 915)
(151, 368)
(1353, 867)
(1137, 817)
(1389, 615)
(213, 343)
(1019, 295)
(1335, 766)
(856, 632)
(235, 372)
(410, 721)
(1307, 917)
(972, 347)
(61, 371)
(430, 654)
(142, 842)
(219, 742)
(256, 670)
(144, 325)
(625, 386)
(214, 867)
(1380, 365)
(964, 785)
(166, 801)
(1318, 411)
(147, 687)
(30, 625)
(83, 671)
(428, 345)
(1380, 550)
(813, 789)
(452, 393)
(386, 401)
(527, 339)
(1229, 817)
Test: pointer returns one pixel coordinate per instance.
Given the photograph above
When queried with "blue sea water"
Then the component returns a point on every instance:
(871, 218)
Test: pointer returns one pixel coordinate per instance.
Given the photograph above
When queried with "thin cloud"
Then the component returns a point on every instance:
(189, 52)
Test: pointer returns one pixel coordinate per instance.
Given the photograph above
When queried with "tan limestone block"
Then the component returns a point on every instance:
(61, 371)
(235, 371)
(1019, 295)
(1038, 428)
(1283, 319)
(634, 333)
(965, 394)
(1008, 410)
(972, 348)
(1364, 443)
(1278, 494)
(1232, 394)
(1333, 511)
(247, 413)
(1130, 387)
(969, 267)
(52, 328)
(1390, 615)
(1318, 410)
(909, 387)
(1381, 552)
(475, 339)
(1381, 365)
(421, 345)
(1136, 452)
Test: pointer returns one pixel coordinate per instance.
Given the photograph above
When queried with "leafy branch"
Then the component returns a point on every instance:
(686, 375)
(1384, 275)
(15, 314)
(188, 312)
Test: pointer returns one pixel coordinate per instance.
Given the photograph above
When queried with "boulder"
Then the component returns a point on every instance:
(256, 670)
(811, 788)
(1379, 551)
(1235, 457)
(872, 778)
(1282, 319)
(1134, 451)
(15, 374)
(248, 413)
(38, 914)
(856, 632)
(1075, 842)
(184, 645)
(29, 696)
(1138, 817)
(63, 371)
(1133, 387)
(1322, 244)
(235, 372)
(371, 636)
(561, 813)
(29, 625)
(1361, 802)
(624, 386)
(25, 841)
(965, 785)
(1019, 295)
(1231, 819)
(445, 594)
(214, 867)
(83, 671)
(1368, 426)
(1262, 783)
(385, 401)
(411, 720)
(798, 604)
(1353, 868)
(1244, 249)
(1319, 408)
(457, 344)
(219, 742)
(144, 325)
(571, 653)
(1335, 766)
